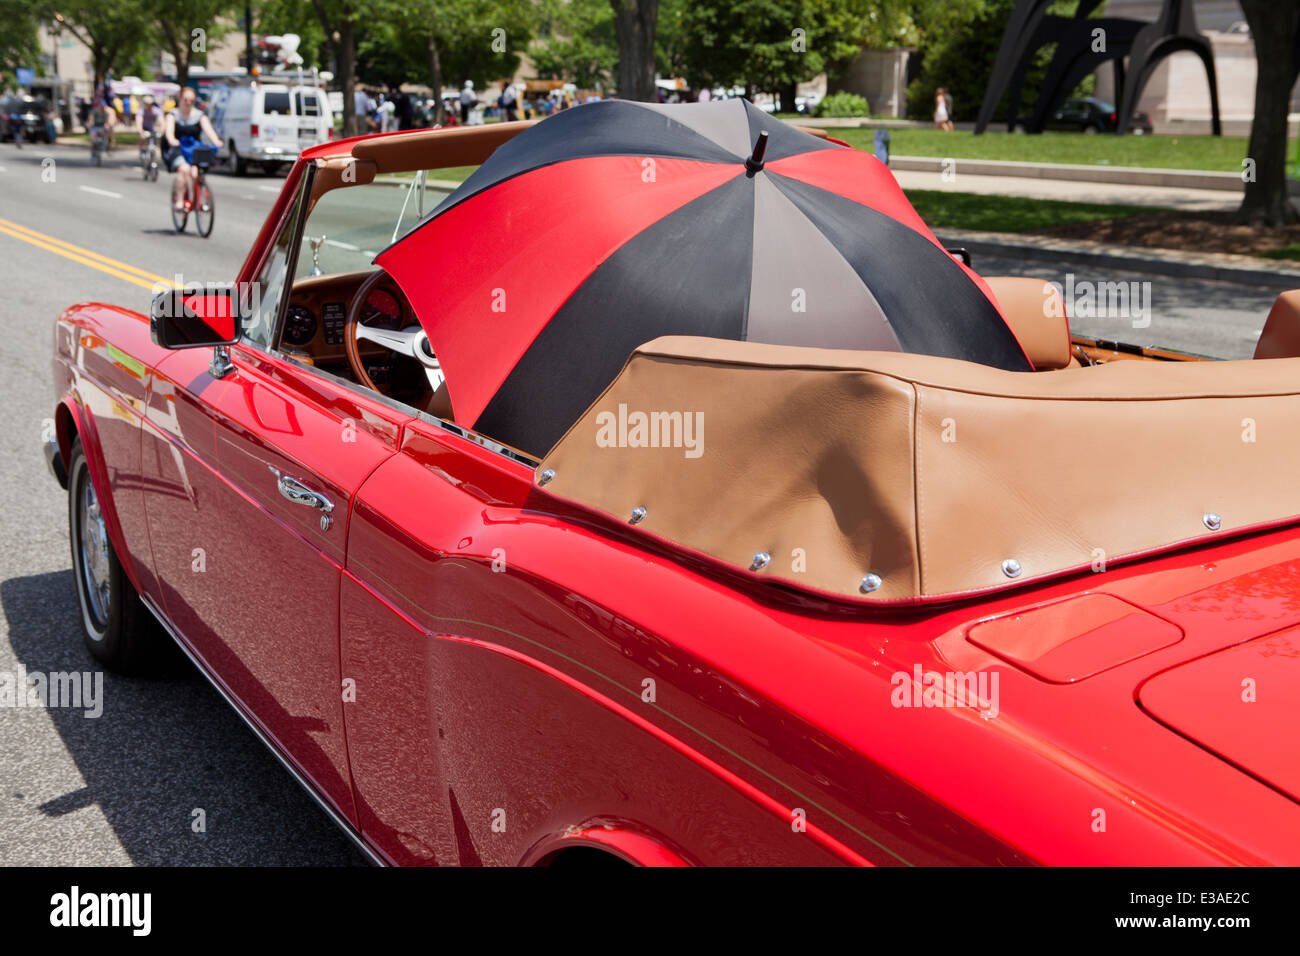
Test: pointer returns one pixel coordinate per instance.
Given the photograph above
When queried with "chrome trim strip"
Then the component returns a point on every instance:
(330, 812)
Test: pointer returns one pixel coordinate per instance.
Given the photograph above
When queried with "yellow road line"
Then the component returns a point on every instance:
(87, 257)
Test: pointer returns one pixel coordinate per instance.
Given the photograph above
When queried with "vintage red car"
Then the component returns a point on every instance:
(759, 603)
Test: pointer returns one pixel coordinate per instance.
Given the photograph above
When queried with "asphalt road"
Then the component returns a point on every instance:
(121, 789)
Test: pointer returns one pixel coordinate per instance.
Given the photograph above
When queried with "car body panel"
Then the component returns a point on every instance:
(1241, 703)
(466, 671)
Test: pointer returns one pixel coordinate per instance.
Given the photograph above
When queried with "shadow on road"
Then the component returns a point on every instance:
(162, 748)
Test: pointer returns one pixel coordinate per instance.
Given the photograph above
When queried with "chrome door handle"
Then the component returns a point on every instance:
(300, 494)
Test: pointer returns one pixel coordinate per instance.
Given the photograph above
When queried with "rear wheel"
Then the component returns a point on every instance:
(238, 165)
(118, 629)
(204, 211)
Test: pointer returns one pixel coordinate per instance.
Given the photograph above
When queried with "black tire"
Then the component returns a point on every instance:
(119, 631)
(179, 216)
(238, 165)
(204, 211)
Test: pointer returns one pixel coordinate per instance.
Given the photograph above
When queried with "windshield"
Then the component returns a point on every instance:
(348, 227)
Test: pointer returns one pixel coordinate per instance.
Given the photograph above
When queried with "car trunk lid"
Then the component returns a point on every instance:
(1241, 703)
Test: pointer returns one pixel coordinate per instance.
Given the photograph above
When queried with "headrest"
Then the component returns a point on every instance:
(1035, 312)
(1281, 335)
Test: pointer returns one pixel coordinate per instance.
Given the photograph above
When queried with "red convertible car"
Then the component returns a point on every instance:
(505, 572)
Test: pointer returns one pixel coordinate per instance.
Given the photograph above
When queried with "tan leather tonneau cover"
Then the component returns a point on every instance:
(942, 478)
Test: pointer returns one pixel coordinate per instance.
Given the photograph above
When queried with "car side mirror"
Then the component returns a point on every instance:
(194, 318)
(191, 318)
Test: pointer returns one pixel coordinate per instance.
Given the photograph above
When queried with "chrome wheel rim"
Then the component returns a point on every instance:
(93, 552)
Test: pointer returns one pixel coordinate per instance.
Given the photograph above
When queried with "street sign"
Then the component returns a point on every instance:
(25, 75)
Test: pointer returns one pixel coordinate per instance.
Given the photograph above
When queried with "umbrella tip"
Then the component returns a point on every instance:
(755, 161)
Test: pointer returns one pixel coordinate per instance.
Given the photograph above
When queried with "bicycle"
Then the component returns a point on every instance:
(150, 157)
(198, 198)
(97, 146)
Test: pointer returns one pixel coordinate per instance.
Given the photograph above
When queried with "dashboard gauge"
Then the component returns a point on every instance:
(383, 304)
(299, 326)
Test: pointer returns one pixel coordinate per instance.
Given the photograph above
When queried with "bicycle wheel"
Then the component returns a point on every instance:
(203, 212)
(180, 216)
(145, 164)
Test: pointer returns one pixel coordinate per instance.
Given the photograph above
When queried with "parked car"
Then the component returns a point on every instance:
(268, 123)
(35, 114)
(1091, 115)
(899, 609)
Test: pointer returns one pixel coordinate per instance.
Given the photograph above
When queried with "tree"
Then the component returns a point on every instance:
(19, 45)
(433, 40)
(339, 19)
(577, 42)
(276, 17)
(186, 27)
(634, 26)
(958, 43)
(113, 32)
(770, 45)
(1275, 28)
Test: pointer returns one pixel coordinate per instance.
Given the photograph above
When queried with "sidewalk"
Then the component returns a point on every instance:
(1217, 267)
(1168, 197)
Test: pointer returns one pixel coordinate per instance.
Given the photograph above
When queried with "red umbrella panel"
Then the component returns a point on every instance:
(614, 223)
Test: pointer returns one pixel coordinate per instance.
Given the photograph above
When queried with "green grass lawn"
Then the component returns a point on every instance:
(455, 173)
(124, 138)
(941, 209)
(1166, 152)
(1290, 253)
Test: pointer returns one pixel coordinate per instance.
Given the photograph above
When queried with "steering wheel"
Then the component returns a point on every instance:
(410, 340)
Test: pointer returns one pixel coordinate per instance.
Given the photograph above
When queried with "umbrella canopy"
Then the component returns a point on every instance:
(614, 223)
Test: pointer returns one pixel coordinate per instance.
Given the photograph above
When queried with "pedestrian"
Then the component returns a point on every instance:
(405, 112)
(363, 106)
(942, 116)
(508, 101)
(467, 101)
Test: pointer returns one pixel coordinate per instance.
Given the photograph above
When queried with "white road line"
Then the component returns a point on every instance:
(269, 189)
(342, 245)
(369, 253)
(100, 192)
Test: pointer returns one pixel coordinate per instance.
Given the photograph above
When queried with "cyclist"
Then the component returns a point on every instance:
(148, 119)
(101, 119)
(184, 129)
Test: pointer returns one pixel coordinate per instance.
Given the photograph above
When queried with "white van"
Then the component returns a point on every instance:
(268, 123)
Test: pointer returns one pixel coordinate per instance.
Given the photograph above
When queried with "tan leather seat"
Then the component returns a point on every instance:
(1281, 335)
(1035, 312)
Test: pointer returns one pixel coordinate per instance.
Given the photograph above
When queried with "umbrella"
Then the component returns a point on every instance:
(613, 223)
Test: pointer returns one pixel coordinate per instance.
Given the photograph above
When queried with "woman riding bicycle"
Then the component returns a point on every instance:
(184, 129)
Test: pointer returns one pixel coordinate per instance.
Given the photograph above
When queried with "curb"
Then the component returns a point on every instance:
(1247, 270)
(1111, 175)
